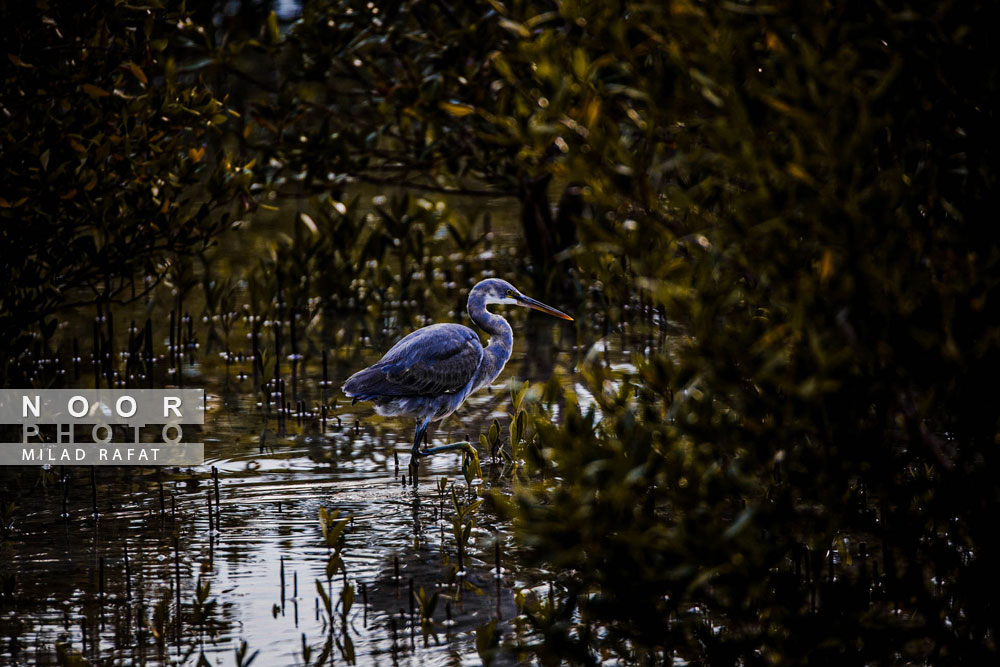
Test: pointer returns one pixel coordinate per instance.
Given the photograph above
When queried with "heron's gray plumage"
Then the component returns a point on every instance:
(437, 359)
(429, 373)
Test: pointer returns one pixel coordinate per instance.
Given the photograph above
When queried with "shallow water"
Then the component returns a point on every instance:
(266, 554)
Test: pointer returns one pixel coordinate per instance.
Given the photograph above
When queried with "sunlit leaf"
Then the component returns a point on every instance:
(94, 91)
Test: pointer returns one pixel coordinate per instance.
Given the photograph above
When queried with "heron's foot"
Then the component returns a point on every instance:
(450, 447)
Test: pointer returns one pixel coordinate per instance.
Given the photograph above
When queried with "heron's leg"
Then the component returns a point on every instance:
(418, 437)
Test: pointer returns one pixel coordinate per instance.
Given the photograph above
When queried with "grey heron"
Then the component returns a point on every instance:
(429, 373)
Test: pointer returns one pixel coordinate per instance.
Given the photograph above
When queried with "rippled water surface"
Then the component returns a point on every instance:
(79, 582)
(262, 559)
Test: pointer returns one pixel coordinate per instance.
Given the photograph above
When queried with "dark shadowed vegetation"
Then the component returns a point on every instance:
(111, 159)
(780, 215)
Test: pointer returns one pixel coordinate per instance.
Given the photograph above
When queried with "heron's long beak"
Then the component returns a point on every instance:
(538, 305)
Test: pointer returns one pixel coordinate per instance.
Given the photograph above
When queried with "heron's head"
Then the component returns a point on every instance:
(494, 290)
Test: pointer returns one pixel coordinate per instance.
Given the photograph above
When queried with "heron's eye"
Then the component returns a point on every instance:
(510, 293)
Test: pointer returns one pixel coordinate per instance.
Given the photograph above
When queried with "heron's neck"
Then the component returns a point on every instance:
(497, 353)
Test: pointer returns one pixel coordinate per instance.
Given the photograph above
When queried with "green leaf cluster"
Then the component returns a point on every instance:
(802, 196)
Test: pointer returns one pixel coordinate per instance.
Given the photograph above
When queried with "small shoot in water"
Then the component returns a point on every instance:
(242, 659)
(346, 601)
(426, 602)
(334, 537)
(470, 466)
(487, 642)
(462, 524)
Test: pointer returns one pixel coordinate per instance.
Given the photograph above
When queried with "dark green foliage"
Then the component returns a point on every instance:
(811, 190)
(412, 94)
(394, 93)
(111, 156)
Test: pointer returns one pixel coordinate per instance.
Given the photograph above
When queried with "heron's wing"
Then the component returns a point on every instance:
(438, 359)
